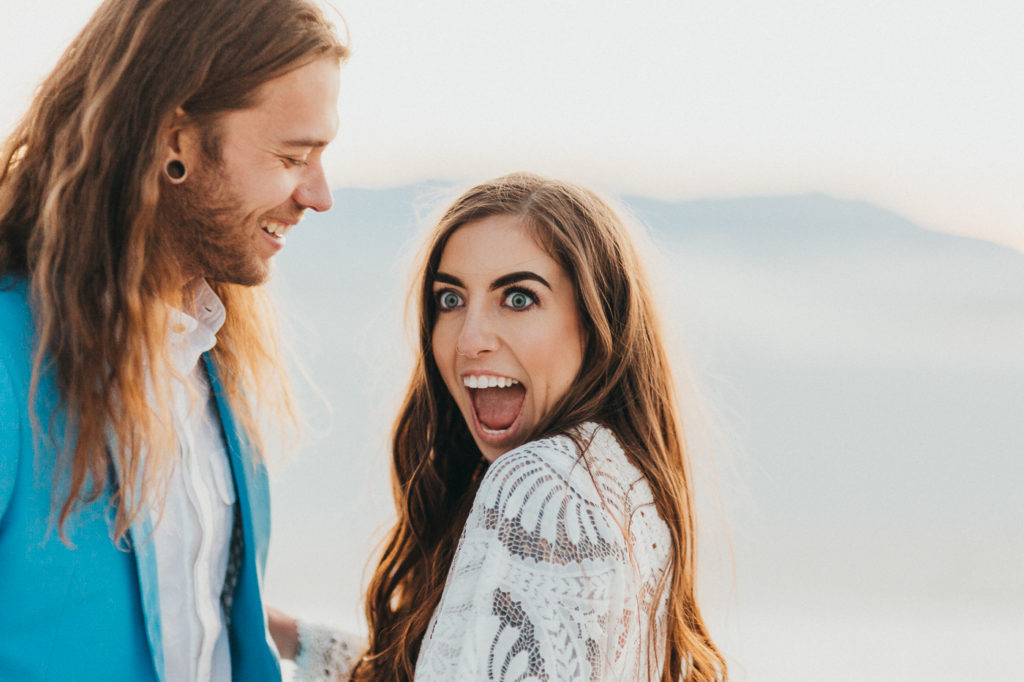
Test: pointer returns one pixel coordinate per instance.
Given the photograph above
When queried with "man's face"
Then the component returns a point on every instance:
(230, 215)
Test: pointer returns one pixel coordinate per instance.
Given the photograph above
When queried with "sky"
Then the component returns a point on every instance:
(912, 105)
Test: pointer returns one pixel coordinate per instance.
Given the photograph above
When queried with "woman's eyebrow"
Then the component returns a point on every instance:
(503, 281)
(514, 277)
(445, 278)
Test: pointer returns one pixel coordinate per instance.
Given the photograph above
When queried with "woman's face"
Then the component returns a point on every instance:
(507, 338)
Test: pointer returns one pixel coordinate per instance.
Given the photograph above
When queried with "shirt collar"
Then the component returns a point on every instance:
(195, 332)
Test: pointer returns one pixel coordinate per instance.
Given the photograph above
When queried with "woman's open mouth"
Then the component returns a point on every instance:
(497, 407)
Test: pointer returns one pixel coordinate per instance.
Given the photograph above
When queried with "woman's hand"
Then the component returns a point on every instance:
(285, 631)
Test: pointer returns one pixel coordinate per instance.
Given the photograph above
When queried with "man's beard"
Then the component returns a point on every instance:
(211, 234)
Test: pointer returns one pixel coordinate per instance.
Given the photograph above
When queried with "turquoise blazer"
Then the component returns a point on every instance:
(91, 611)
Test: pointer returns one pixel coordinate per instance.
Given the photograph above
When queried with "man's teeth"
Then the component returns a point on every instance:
(488, 381)
(274, 227)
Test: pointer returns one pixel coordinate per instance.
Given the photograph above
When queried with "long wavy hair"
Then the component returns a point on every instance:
(80, 182)
(624, 383)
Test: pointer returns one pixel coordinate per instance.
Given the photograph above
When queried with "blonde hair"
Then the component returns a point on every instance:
(624, 383)
(80, 183)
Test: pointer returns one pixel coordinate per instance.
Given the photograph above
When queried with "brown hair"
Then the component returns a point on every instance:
(80, 182)
(624, 383)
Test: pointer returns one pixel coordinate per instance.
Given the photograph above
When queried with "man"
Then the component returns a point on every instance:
(142, 198)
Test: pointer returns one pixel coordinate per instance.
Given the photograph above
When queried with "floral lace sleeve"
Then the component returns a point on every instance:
(544, 584)
(326, 654)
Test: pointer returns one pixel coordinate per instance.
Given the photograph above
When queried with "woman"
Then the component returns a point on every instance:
(546, 525)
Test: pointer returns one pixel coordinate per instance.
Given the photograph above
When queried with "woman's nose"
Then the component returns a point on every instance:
(478, 334)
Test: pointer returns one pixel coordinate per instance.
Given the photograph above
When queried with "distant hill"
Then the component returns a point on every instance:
(811, 274)
(807, 229)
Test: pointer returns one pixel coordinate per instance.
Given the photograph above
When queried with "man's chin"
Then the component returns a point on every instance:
(250, 275)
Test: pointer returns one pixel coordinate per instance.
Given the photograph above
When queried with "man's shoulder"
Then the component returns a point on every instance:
(14, 303)
(15, 326)
(17, 331)
(15, 311)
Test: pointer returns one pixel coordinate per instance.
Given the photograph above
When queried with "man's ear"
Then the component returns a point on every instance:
(183, 147)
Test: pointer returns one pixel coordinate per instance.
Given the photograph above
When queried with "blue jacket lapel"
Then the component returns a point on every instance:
(144, 550)
(251, 656)
(250, 476)
(145, 560)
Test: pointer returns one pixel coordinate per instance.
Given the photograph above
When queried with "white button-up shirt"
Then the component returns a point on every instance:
(193, 535)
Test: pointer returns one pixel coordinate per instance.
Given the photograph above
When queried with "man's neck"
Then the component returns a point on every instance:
(183, 297)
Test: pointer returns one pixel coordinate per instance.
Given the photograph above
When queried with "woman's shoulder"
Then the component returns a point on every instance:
(565, 487)
(573, 459)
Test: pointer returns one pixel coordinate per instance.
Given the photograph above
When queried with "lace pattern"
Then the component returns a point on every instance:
(556, 571)
(325, 654)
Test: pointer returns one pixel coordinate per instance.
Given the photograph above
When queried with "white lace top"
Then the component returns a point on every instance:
(556, 571)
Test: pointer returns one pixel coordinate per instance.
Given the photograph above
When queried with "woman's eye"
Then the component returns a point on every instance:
(448, 300)
(519, 300)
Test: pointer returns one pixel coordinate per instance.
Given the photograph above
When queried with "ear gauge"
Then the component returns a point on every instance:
(175, 171)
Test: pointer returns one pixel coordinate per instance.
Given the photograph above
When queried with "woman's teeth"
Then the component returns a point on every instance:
(275, 228)
(488, 381)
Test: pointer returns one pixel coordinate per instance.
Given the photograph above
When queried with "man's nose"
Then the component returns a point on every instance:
(314, 192)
